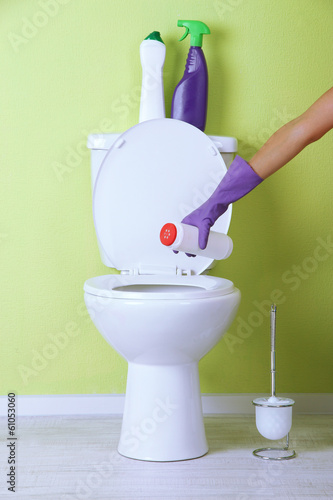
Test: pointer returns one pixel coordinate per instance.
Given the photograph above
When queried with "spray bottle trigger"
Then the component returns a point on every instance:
(187, 30)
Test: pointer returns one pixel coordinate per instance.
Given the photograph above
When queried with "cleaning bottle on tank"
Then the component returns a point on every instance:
(152, 56)
(184, 238)
(189, 102)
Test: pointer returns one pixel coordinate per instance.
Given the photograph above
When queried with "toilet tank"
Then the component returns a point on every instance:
(99, 144)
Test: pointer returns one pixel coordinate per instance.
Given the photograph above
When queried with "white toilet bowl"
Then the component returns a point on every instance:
(162, 327)
(160, 314)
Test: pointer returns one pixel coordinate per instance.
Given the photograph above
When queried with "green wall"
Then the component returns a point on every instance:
(69, 68)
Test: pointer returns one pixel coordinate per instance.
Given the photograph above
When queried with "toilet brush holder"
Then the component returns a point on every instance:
(274, 414)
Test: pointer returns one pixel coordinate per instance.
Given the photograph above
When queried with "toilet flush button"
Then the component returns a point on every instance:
(168, 234)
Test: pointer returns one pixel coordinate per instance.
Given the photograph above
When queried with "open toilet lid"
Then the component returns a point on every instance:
(156, 172)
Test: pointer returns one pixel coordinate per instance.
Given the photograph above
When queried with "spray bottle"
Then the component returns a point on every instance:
(189, 102)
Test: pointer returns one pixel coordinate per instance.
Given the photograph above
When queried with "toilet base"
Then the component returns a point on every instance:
(163, 418)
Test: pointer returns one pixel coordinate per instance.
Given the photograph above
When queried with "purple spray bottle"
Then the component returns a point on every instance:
(189, 102)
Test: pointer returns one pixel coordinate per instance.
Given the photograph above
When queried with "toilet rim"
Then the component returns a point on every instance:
(190, 287)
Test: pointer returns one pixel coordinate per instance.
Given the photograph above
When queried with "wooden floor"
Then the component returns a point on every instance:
(67, 458)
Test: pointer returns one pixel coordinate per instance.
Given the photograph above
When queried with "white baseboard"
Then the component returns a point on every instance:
(113, 404)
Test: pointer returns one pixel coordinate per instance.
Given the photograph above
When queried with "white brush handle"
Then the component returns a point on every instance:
(152, 55)
(273, 336)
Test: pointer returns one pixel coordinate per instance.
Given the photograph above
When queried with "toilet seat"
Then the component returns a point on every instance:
(156, 172)
(153, 287)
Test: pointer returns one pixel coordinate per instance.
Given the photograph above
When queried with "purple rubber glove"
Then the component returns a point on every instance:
(237, 182)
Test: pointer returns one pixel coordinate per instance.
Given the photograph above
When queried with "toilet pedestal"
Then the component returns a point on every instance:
(163, 418)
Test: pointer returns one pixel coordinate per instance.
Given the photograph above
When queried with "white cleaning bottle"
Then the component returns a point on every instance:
(152, 55)
(184, 238)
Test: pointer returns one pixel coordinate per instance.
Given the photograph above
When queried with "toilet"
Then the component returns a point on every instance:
(163, 312)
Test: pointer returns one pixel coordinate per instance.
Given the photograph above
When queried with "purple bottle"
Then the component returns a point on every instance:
(189, 102)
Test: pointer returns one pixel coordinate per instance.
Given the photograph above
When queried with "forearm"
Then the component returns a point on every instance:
(280, 148)
(290, 139)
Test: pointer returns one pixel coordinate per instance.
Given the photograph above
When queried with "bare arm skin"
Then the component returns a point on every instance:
(294, 136)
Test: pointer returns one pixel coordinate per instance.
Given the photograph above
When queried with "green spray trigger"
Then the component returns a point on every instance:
(187, 30)
(196, 29)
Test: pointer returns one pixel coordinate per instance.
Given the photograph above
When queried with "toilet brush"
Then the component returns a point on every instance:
(273, 414)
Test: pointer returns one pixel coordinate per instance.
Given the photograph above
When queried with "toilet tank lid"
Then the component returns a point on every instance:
(105, 141)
